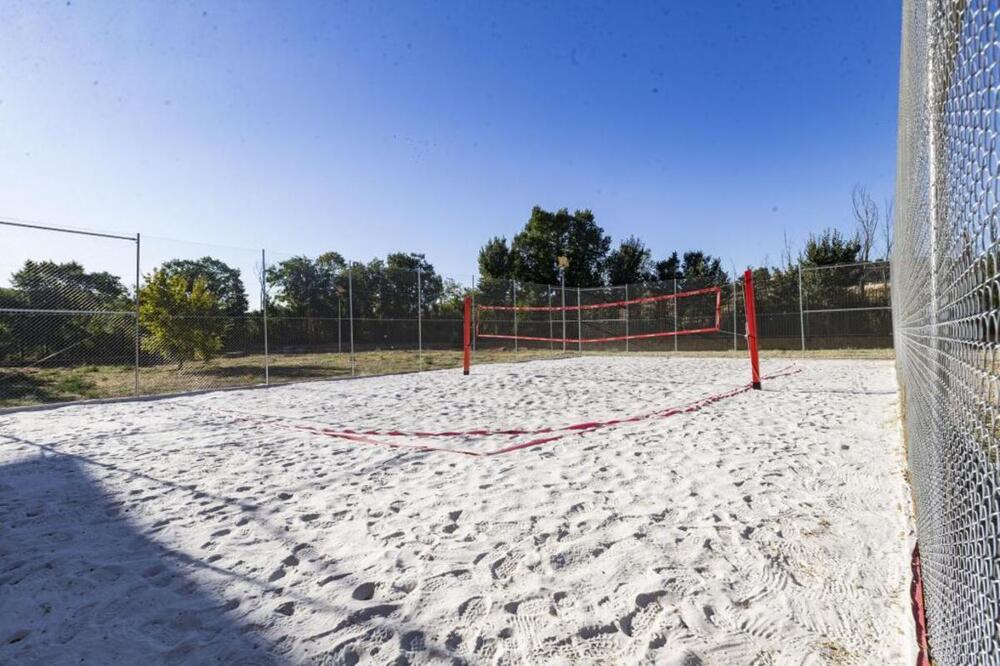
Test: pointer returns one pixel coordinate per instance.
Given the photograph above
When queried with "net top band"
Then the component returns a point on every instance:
(599, 306)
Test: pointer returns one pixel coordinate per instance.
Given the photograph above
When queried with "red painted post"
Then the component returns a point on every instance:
(751, 311)
(467, 336)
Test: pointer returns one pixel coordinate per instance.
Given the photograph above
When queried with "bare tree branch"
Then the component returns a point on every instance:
(866, 215)
(887, 220)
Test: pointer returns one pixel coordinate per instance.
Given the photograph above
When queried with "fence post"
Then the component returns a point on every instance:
(626, 317)
(514, 312)
(551, 332)
(263, 308)
(562, 293)
(802, 316)
(350, 312)
(675, 314)
(579, 323)
(735, 347)
(420, 323)
(137, 330)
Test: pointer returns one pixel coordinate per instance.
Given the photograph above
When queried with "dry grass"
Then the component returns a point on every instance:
(46, 385)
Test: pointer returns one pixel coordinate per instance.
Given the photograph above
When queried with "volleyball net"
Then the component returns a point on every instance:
(609, 319)
(579, 323)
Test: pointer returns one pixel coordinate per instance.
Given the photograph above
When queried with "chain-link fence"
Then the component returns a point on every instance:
(99, 316)
(946, 308)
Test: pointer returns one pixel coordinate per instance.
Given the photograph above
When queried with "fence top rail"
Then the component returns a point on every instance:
(43, 311)
(881, 263)
(81, 232)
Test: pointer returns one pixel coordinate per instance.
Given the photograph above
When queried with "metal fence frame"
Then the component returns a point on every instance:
(268, 332)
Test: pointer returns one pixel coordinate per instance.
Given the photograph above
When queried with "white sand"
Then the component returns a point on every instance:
(769, 528)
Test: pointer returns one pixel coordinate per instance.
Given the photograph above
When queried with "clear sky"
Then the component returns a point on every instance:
(431, 126)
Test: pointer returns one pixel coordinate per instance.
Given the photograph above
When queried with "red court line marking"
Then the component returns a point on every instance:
(588, 425)
(578, 428)
(598, 306)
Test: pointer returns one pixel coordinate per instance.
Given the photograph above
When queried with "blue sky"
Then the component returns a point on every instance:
(432, 126)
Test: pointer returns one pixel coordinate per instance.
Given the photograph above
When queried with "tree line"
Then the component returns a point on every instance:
(194, 309)
(532, 254)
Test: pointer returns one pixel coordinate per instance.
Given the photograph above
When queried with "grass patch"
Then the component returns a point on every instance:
(32, 386)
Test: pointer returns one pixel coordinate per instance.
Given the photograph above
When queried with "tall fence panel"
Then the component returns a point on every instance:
(946, 310)
(846, 305)
(109, 316)
(200, 321)
(67, 315)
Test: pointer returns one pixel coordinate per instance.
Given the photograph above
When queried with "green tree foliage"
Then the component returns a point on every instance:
(317, 288)
(398, 295)
(669, 268)
(60, 337)
(67, 286)
(184, 320)
(697, 265)
(548, 235)
(304, 287)
(830, 248)
(221, 279)
(495, 260)
(630, 263)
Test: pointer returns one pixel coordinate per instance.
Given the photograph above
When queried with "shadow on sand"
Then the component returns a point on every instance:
(79, 584)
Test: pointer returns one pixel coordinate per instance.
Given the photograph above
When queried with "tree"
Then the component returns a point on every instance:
(866, 217)
(307, 288)
(630, 263)
(221, 279)
(495, 260)
(887, 226)
(669, 268)
(399, 296)
(829, 249)
(697, 265)
(67, 286)
(185, 320)
(47, 285)
(548, 235)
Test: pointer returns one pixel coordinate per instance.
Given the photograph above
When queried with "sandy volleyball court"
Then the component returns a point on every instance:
(244, 527)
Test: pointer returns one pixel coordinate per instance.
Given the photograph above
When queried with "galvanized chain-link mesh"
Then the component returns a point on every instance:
(211, 316)
(946, 266)
(65, 320)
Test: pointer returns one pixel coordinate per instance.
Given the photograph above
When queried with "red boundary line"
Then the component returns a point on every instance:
(598, 306)
(551, 436)
(587, 425)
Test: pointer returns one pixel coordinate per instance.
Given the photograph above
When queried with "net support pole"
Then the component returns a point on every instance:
(802, 315)
(420, 323)
(263, 309)
(514, 286)
(751, 311)
(579, 323)
(675, 314)
(467, 336)
(137, 332)
(626, 318)
(340, 309)
(350, 314)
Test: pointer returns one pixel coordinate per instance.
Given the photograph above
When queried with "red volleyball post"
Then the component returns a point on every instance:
(467, 336)
(751, 310)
